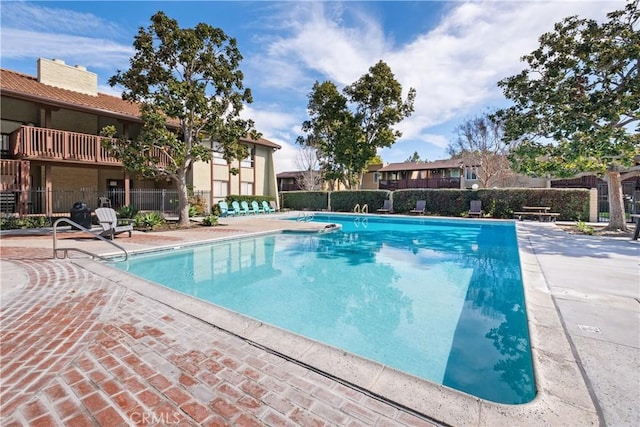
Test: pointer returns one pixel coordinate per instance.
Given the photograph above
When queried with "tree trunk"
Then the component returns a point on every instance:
(183, 197)
(617, 220)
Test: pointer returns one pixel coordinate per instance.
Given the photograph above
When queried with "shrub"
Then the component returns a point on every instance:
(149, 220)
(128, 212)
(197, 205)
(584, 228)
(305, 200)
(210, 220)
(16, 223)
(345, 201)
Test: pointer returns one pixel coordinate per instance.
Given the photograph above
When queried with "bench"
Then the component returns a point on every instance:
(541, 216)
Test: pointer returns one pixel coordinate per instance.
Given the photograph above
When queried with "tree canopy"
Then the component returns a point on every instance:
(347, 128)
(190, 88)
(576, 107)
(415, 158)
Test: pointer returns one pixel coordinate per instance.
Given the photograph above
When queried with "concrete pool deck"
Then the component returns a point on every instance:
(88, 346)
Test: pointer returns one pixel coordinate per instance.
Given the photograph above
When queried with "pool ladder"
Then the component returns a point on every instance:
(65, 251)
(361, 209)
(304, 217)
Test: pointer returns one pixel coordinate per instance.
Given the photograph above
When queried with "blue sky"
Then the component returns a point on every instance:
(451, 52)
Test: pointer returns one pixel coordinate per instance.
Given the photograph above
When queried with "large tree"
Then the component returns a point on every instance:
(190, 89)
(577, 105)
(347, 128)
(479, 143)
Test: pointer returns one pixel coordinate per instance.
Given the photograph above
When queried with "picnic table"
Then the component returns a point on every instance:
(637, 230)
(540, 212)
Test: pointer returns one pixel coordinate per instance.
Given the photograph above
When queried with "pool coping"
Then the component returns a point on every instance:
(562, 395)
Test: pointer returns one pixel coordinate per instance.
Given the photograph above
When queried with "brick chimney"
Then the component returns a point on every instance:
(54, 72)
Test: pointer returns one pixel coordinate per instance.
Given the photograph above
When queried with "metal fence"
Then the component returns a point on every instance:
(161, 200)
(630, 195)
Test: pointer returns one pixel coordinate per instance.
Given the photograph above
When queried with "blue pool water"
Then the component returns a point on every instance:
(440, 299)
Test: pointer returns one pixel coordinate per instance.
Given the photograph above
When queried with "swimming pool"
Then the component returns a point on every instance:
(439, 299)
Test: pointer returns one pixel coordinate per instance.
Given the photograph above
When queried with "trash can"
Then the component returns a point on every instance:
(81, 214)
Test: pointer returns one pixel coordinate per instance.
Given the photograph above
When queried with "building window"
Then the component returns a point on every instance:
(218, 156)
(454, 173)
(220, 189)
(471, 172)
(4, 148)
(248, 161)
(246, 188)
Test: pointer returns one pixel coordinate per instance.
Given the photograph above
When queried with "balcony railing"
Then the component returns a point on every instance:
(34, 143)
(419, 183)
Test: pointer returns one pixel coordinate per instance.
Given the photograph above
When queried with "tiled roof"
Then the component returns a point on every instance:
(261, 141)
(437, 164)
(290, 174)
(24, 86)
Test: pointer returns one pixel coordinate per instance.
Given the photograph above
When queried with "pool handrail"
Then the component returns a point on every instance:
(86, 230)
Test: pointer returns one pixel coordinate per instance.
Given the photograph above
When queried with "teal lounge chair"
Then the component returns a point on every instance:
(256, 207)
(236, 208)
(224, 209)
(267, 208)
(245, 207)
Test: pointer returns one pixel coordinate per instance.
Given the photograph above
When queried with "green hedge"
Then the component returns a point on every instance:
(345, 201)
(304, 200)
(571, 204)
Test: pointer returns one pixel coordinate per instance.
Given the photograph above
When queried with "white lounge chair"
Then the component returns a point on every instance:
(110, 223)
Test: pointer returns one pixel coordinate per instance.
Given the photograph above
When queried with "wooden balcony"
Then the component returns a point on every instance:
(34, 143)
(401, 184)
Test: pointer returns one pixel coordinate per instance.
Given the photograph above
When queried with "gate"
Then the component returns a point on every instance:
(630, 195)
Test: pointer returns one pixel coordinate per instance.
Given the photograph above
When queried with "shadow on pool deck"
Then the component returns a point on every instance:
(78, 347)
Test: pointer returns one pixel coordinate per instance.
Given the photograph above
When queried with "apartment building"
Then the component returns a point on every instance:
(51, 150)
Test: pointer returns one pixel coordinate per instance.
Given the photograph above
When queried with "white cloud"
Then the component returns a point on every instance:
(279, 127)
(90, 52)
(43, 19)
(319, 46)
(454, 67)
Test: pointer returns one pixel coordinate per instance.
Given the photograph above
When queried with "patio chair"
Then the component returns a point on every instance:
(256, 207)
(386, 207)
(111, 224)
(104, 202)
(421, 205)
(244, 206)
(475, 209)
(236, 208)
(267, 207)
(224, 209)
